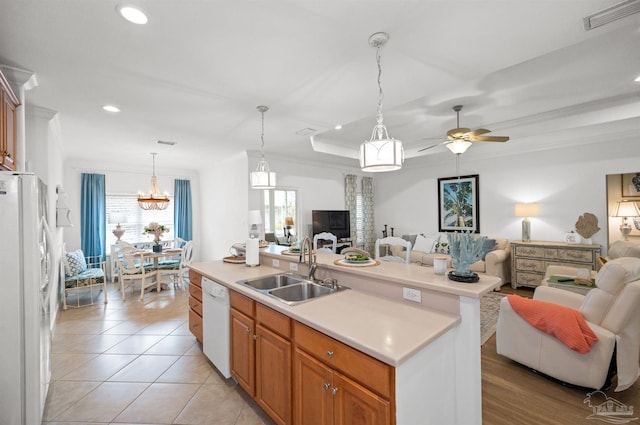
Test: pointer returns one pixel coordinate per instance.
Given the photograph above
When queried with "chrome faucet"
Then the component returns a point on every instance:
(312, 258)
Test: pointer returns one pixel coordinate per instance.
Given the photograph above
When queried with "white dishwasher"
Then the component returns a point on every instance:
(215, 325)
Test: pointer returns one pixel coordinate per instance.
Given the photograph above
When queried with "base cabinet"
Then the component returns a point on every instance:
(261, 355)
(195, 305)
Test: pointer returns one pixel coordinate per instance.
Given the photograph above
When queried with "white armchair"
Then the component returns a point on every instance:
(611, 311)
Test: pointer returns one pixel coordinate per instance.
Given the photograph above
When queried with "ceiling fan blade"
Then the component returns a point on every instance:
(429, 147)
(456, 133)
(479, 131)
(489, 138)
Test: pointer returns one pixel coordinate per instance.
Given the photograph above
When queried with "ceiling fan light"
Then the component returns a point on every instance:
(459, 146)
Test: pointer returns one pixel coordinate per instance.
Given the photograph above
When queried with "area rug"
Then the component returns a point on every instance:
(489, 308)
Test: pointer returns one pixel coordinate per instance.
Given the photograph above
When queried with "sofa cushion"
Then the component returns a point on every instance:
(424, 244)
(623, 249)
(411, 238)
(487, 246)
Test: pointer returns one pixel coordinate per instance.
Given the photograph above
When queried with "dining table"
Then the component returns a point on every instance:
(156, 256)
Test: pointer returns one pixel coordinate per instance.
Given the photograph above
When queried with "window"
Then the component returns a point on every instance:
(137, 219)
(359, 242)
(279, 204)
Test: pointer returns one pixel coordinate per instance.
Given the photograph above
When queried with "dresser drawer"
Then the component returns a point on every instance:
(550, 253)
(273, 320)
(195, 292)
(195, 325)
(529, 251)
(370, 372)
(529, 279)
(576, 255)
(241, 303)
(530, 264)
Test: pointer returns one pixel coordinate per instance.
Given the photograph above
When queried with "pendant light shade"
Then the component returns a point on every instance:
(381, 152)
(459, 146)
(262, 177)
(153, 200)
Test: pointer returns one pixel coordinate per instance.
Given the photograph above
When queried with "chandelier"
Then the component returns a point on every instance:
(263, 177)
(153, 200)
(381, 152)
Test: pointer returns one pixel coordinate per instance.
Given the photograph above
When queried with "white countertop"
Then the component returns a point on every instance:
(390, 331)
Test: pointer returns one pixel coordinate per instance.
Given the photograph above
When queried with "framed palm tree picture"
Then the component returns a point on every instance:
(459, 204)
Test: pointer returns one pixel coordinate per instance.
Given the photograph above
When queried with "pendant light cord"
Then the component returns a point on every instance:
(262, 136)
(380, 92)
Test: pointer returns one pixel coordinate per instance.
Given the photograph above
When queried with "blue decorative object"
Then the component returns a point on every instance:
(465, 249)
(157, 247)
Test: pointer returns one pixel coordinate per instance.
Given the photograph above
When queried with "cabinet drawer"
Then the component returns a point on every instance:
(530, 265)
(241, 303)
(195, 305)
(576, 255)
(195, 292)
(273, 320)
(195, 278)
(195, 325)
(550, 253)
(529, 251)
(528, 279)
(371, 373)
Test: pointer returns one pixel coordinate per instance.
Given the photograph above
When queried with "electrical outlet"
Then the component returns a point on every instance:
(412, 295)
(275, 263)
(293, 267)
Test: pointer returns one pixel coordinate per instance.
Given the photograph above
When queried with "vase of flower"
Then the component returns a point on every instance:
(465, 250)
(156, 230)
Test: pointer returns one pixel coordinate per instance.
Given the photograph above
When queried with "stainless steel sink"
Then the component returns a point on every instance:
(272, 282)
(289, 288)
(302, 291)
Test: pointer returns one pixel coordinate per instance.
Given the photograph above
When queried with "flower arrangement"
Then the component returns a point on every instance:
(156, 230)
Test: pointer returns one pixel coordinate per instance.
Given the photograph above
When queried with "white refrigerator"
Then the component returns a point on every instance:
(25, 284)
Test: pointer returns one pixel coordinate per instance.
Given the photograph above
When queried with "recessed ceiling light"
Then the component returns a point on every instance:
(337, 127)
(133, 14)
(110, 108)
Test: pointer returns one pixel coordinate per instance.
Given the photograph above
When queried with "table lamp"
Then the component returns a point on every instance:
(624, 209)
(288, 224)
(526, 211)
(117, 218)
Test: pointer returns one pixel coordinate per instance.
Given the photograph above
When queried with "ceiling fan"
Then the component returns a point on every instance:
(459, 139)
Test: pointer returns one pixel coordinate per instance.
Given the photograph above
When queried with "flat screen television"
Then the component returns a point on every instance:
(332, 221)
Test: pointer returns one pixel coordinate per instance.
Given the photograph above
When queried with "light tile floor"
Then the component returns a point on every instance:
(135, 362)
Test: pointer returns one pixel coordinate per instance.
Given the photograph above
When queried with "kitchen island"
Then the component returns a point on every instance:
(432, 343)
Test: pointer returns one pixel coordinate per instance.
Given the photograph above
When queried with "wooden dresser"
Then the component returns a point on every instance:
(529, 260)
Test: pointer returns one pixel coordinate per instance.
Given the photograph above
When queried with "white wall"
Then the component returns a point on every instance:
(565, 183)
(123, 180)
(318, 186)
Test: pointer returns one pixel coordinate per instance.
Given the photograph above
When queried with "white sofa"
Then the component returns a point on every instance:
(497, 262)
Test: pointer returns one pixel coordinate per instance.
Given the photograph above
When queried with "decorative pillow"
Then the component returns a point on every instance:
(442, 245)
(489, 245)
(411, 238)
(75, 263)
(424, 244)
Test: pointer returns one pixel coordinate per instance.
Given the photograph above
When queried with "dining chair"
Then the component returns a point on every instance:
(132, 269)
(393, 240)
(325, 236)
(175, 268)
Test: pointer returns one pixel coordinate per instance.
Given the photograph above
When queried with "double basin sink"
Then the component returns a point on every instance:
(289, 288)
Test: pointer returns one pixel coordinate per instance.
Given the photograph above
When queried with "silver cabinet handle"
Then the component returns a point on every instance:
(255, 337)
(334, 390)
(248, 330)
(326, 386)
(330, 354)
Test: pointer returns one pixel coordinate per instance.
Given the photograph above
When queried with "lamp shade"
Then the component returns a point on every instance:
(527, 210)
(381, 155)
(459, 146)
(255, 217)
(288, 221)
(626, 208)
(117, 217)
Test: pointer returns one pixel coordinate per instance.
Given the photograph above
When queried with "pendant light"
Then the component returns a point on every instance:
(263, 177)
(381, 152)
(153, 200)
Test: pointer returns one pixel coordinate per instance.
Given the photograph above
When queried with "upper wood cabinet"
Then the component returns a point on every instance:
(8, 104)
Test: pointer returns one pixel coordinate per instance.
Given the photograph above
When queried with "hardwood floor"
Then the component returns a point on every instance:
(514, 394)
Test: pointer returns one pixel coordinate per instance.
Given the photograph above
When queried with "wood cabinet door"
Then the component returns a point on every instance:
(9, 136)
(273, 375)
(355, 405)
(312, 398)
(243, 351)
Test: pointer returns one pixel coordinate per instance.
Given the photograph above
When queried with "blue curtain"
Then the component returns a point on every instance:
(182, 210)
(93, 215)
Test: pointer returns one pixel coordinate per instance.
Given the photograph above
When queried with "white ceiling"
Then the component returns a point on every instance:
(196, 72)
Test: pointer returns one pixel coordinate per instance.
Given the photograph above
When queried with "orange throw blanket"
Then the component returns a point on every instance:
(564, 323)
